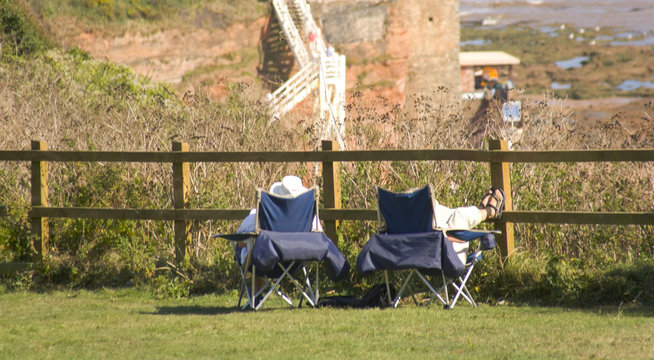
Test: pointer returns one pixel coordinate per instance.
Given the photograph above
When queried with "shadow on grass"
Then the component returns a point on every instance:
(629, 310)
(195, 310)
(206, 310)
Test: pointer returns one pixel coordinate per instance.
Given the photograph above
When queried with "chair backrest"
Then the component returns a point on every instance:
(285, 213)
(404, 213)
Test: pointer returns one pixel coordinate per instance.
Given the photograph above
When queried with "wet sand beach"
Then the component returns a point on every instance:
(633, 15)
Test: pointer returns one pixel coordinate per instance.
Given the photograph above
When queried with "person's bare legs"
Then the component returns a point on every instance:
(483, 213)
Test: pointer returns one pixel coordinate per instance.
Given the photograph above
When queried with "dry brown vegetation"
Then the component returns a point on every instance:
(73, 102)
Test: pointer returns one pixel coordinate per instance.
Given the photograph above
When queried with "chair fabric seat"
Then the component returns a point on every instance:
(282, 241)
(429, 252)
(407, 240)
(272, 247)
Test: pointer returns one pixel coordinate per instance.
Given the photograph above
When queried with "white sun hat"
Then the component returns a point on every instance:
(290, 185)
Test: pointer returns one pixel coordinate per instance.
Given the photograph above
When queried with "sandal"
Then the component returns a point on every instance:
(496, 209)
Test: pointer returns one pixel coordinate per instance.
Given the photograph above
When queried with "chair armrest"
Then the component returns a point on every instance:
(469, 234)
(486, 237)
(235, 236)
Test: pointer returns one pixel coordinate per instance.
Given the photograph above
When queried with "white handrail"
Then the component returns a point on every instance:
(310, 24)
(290, 31)
(317, 70)
(293, 91)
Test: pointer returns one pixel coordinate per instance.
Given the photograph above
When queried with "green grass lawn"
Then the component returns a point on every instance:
(131, 324)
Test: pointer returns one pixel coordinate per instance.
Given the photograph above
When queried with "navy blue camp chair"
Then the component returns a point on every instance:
(407, 240)
(283, 245)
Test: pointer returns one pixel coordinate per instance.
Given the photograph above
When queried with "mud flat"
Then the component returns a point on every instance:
(609, 44)
(634, 15)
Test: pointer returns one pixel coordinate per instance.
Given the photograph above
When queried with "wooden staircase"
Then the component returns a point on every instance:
(320, 69)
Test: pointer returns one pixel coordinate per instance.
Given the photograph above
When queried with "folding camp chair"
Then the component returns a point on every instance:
(408, 240)
(282, 246)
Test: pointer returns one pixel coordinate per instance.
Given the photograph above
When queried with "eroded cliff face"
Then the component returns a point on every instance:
(412, 44)
(394, 48)
(170, 54)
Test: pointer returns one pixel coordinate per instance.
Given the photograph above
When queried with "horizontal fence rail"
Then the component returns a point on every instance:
(578, 218)
(498, 158)
(333, 156)
(542, 217)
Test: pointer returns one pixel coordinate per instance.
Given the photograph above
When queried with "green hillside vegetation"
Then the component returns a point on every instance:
(117, 16)
(20, 31)
(74, 102)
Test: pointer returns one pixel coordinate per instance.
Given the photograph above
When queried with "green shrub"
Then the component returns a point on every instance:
(20, 31)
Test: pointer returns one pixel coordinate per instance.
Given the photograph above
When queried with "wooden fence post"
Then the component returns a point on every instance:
(181, 187)
(501, 177)
(331, 175)
(40, 198)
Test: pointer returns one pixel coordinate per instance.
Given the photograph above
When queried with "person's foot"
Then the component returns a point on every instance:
(493, 203)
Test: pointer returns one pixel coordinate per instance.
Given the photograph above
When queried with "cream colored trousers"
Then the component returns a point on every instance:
(465, 217)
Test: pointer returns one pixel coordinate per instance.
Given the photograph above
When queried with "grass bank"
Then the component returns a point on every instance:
(129, 324)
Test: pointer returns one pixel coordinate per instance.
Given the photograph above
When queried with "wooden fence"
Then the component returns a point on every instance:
(498, 157)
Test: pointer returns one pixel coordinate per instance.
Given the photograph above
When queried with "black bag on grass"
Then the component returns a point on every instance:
(376, 297)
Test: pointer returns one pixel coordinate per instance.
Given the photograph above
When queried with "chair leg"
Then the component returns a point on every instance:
(461, 287)
(388, 288)
(445, 284)
(401, 291)
(307, 285)
(466, 295)
(243, 287)
(240, 294)
(431, 288)
(248, 290)
(306, 289)
(412, 291)
(253, 289)
(285, 298)
(274, 287)
(317, 283)
(306, 293)
(443, 288)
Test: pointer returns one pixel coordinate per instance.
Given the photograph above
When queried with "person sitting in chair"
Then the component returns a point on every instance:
(290, 185)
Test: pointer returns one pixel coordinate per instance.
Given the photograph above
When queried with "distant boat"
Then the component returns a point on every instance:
(489, 21)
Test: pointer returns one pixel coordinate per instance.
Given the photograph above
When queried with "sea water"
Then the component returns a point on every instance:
(573, 63)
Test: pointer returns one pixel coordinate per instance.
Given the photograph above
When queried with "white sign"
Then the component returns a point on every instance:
(511, 111)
